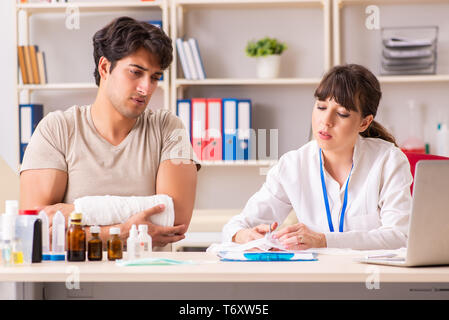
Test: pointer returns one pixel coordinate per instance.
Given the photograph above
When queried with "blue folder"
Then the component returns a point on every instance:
(229, 125)
(29, 117)
(243, 145)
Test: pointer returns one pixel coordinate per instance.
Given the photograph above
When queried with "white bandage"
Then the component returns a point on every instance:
(108, 210)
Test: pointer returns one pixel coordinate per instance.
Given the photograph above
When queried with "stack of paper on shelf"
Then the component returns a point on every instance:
(409, 50)
(32, 65)
(190, 58)
(219, 129)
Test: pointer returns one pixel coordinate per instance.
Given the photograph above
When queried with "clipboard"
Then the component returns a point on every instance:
(267, 256)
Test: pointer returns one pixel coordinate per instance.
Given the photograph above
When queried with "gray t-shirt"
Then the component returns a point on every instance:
(68, 141)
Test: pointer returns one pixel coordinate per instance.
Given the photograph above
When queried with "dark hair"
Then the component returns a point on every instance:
(124, 36)
(355, 88)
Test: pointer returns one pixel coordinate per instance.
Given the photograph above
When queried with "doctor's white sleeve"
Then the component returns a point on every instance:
(269, 204)
(395, 206)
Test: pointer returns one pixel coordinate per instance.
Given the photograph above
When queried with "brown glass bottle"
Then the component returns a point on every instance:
(76, 239)
(95, 245)
(115, 246)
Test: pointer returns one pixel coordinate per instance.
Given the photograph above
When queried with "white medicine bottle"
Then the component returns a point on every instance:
(58, 237)
(145, 241)
(132, 244)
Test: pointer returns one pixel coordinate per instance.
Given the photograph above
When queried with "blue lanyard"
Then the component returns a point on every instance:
(326, 200)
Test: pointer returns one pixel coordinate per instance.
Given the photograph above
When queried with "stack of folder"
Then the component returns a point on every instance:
(219, 129)
(409, 50)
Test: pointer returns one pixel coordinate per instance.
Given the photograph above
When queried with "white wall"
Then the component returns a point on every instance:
(222, 36)
(8, 110)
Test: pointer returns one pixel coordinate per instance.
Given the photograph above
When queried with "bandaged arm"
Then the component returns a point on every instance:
(109, 210)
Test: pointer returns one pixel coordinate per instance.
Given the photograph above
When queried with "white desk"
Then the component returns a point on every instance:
(333, 276)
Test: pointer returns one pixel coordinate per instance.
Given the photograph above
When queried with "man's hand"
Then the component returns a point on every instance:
(300, 237)
(66, 210)
(160, 235)
(247, 235)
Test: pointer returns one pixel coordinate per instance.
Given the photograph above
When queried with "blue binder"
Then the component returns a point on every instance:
(243, 144)
(29, 117)
(229, 125)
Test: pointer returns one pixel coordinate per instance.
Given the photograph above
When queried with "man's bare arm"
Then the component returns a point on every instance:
(42, 187)
(178, 180)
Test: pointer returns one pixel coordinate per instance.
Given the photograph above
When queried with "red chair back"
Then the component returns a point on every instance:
(413, 158)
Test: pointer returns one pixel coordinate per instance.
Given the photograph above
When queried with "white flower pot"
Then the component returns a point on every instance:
(268, 66)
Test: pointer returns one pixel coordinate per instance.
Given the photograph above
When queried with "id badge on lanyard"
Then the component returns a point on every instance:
(326, 200)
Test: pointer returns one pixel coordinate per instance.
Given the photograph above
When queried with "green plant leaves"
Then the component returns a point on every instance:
(265, 47)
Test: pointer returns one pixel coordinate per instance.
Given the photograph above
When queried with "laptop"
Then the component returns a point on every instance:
(428, 233)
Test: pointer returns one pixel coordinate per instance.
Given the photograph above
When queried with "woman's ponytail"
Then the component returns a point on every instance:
(376, 130)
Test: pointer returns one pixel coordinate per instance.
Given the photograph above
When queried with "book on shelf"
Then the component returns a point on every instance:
(32, 65)
(220, 129)
(190, 62)
(198, 62)
(190, 58)
(29, 117)
(183, 59)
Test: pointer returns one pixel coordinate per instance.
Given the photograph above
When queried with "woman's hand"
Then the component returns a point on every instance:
(300, 237)
(247, 235)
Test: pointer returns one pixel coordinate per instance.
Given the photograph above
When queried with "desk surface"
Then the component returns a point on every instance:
(208, 268)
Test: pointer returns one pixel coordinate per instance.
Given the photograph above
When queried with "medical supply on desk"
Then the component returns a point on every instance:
(132, 244)
(10, 244)
(145, 241)
(58, 238)
(76, 239)
(95, 245)
(45, 236)
(29, 230)
(267, 256)
(8, 235)
(115, 246)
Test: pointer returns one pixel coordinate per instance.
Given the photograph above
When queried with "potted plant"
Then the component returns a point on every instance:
(268, 53)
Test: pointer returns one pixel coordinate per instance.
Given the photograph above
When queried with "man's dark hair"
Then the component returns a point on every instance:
(124, 36)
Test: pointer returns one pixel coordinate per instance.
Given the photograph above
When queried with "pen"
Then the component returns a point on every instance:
(385, 255)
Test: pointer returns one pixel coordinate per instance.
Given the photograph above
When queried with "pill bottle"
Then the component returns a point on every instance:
(115, 246)
(76, 239)
(95, 245)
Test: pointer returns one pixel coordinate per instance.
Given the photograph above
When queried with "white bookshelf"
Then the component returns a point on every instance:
(248, 81)
(64, 86)
(24, 11)
(180, 7)
(239, 163)
(94, 6)
(337, 8)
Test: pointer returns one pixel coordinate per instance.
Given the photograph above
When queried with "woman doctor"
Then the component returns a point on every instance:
(349, 187)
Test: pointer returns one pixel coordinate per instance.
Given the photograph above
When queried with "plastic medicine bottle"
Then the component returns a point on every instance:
(132, 244)
(115, 246)
(95, 245)
(145, 241)
(58, 238)
(76, 239)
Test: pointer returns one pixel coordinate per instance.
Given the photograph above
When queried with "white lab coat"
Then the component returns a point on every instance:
(379, 198)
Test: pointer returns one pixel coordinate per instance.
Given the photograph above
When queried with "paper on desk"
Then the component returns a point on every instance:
(151, 262)
(266, 243)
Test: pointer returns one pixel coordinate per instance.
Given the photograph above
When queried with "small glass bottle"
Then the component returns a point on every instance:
(115, 246)
(95, 245)
(76, 239)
